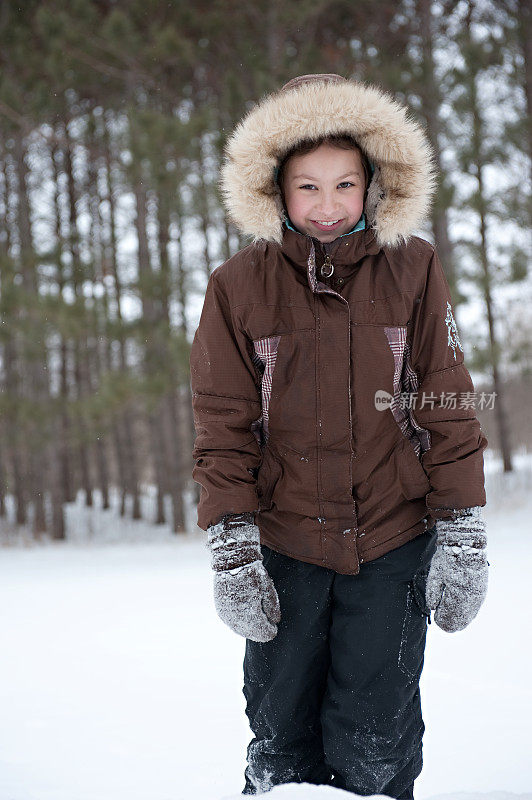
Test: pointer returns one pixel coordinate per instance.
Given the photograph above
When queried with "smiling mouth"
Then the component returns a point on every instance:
(326, 223)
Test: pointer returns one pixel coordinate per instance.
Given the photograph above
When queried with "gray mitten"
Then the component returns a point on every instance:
(457, 582)
(244, 594)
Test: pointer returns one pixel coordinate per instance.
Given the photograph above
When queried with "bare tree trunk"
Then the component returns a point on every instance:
(203, 208)
(13, 432)
(57, 530)
(430, 93)
(35, 362)
(98, 352)
(11, 428)
(275, 36)
(83, 453)
(64, 434)
(80, 345)
(152, 354)
(3, 484)
(187, 428)
(498, 385)
(173, 438)
(124, 427)
(524, 13)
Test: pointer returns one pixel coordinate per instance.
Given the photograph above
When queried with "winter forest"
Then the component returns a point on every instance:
(117, 679)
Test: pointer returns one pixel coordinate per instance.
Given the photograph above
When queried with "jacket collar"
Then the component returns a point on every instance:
(307, 254)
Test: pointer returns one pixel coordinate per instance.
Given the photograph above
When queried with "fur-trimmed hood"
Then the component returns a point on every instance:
(404, 179)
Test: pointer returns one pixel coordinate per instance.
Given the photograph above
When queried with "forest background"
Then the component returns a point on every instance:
(113, 119)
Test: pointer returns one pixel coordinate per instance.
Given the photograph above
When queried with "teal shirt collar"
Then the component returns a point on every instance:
(360, 226)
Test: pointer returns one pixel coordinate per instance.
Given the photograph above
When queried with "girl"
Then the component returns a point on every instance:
(337, 448)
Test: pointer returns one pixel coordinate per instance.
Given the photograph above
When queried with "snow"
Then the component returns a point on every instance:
(118, 681)
(305, 791)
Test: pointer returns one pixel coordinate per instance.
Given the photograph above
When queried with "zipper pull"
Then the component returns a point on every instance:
(327, 264)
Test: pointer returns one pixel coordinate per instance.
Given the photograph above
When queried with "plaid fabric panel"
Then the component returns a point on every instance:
(264, 357)
(405, 380)
(410, 384)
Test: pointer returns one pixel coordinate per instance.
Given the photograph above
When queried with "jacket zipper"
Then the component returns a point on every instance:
(327, 264)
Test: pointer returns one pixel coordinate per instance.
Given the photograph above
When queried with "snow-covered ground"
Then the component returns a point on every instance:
(119, 682)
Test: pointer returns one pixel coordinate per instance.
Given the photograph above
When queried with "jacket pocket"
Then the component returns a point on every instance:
(267, 553)
(412, 477)
(419, 590)
(414, 630)
(416, 615)
(269, 473)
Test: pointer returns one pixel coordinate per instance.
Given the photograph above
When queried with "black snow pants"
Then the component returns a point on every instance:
(334, 698)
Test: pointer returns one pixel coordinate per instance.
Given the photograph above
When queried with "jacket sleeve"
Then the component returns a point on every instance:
(445, 403)
(225, 400)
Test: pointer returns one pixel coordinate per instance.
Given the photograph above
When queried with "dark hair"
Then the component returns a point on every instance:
(340, 140)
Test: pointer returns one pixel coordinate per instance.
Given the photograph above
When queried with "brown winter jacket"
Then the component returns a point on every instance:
(299, 379)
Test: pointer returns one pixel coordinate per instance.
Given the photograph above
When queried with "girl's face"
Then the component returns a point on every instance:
(326, 185)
